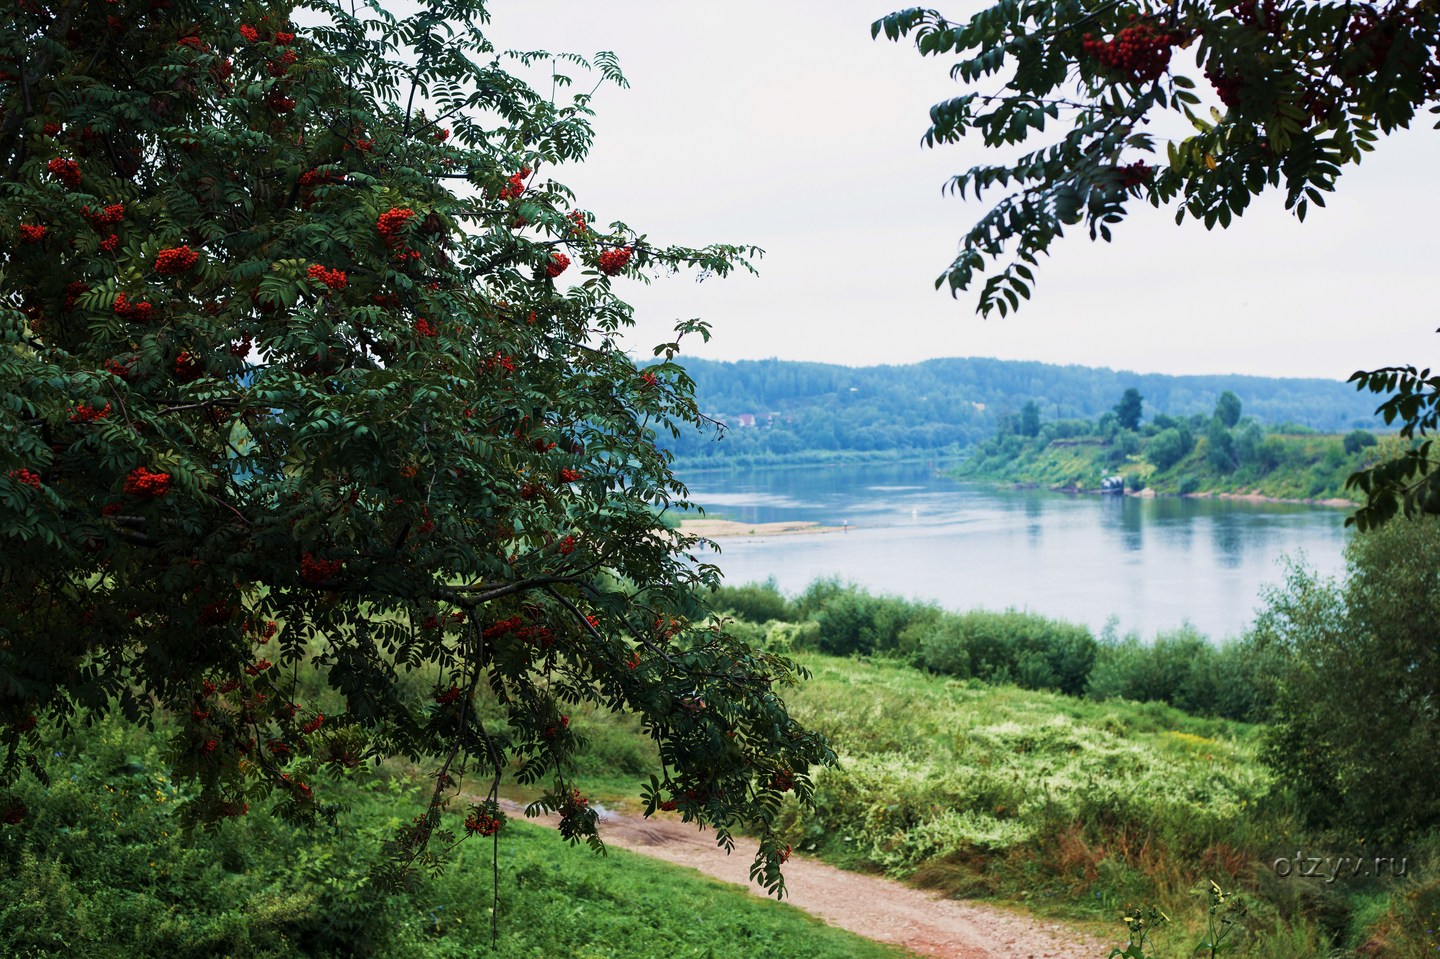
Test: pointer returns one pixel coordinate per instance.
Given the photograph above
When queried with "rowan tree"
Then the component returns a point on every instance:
(1289, 93)
(307, 363)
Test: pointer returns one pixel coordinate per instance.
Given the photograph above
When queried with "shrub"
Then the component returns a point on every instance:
(756, 602)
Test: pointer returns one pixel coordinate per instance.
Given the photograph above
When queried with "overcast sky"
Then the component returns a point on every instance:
(781, 123)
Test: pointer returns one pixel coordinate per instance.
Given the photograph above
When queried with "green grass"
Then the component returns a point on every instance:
(101, 868)
(1073, 808)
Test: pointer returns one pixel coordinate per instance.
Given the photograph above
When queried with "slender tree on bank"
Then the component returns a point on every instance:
(306, 362)
(1291, 91)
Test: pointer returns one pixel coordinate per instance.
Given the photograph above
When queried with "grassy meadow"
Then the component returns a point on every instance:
(102, 868)
(973, 775)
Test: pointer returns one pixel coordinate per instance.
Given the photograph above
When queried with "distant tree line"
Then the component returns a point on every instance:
(779, 409)
(1222, 450)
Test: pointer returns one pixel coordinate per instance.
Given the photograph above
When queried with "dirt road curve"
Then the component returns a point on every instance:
(879, 909)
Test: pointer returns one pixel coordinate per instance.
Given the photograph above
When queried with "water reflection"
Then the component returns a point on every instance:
(916, 534)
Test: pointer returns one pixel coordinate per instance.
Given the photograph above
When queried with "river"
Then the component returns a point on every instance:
(1151, 563)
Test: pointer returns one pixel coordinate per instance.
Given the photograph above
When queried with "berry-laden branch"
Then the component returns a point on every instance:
(275, 398)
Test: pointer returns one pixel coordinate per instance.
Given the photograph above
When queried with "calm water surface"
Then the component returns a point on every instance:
(1153, 563)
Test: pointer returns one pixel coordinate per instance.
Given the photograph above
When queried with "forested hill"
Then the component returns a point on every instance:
(783, 409)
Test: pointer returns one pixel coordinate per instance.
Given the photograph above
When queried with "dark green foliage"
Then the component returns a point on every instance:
(1030, 419)
(1186, 670)
(757, 602)
(853, 621)
(1356, 727)
(1357, 440)
(1026, 649)
(294, 376)
(1169, 447)
(1220, 448)
(1227, 409)
(1129, 410)
(1406, 483)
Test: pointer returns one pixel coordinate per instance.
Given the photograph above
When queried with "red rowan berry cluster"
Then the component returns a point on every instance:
(310, 179)
(258, 667)
(1135, 174)
(66, 171)
(613, 261)
(1140, 51)
(1227, 87)
(334, 279)
(783, 780)
(581, 222)
(648, 379)
(448, 696)
(73, 292)
(174, 261)
(32, 233)
(132, 311)
(284, 37)
(315, 571)
(313, 724)
(278, 68)
(112, 214)
(220, 70)
(441, 136)
(279, 102)
(122, 370)
(786, 853)
(567, 546)
(216, 613)
(424, 329)
(567, 475)
(503, 626)
(85, 413)
(29, 477)
(515, 186)
(1264, 13)
(52, 129)
(110, 243)
(391, 222)
(484, 821)
(669, 805)
(250, 34)
(194, 43)
(142, 482)
(188, 367)
(558, 264)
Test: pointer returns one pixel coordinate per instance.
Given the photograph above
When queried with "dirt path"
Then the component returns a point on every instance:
(876, 908)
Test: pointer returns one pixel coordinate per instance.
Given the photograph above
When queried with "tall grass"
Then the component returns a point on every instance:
(99, 867)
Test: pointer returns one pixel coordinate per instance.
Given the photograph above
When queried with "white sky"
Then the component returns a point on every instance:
(783, 124)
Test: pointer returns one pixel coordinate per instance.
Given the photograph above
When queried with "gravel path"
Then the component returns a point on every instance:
(880, 909)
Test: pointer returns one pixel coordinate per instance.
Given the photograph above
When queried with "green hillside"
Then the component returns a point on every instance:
(1198, 454)
(784, 411)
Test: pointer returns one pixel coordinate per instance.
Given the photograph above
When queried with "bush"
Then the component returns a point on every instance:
(1357, 440)
(1356, 730)
(853, 621)
(1184, 669)
(1011, 647)
(756, 602)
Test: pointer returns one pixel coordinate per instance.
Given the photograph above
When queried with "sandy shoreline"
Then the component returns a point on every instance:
(721, 528)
